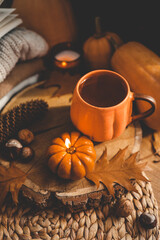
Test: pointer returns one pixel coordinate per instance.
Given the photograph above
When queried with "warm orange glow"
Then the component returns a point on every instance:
(67, 143)
(64, 64)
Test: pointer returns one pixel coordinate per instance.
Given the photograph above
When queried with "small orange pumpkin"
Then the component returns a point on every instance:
(98, 49)
(71, 156)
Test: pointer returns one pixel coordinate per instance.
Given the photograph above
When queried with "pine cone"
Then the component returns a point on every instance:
(20, 117)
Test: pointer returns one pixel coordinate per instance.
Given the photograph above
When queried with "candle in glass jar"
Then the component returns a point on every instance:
(66, 58)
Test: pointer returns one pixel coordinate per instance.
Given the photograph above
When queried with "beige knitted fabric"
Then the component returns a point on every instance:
(18, 45)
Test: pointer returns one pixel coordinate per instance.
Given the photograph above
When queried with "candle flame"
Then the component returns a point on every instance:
(64, 64)
(67, 143)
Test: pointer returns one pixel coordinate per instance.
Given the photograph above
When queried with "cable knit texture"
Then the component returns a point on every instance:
(20, 44)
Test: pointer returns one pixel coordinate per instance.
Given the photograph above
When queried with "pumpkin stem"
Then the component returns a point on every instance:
(98, 33)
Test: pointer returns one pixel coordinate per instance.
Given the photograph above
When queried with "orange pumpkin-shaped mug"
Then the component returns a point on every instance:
(102, 105)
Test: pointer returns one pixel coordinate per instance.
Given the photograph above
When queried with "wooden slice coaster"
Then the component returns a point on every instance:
(42, 187)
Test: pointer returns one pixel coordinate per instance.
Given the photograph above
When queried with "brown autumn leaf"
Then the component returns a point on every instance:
(156, 142)
(11, 180)
(117, 170)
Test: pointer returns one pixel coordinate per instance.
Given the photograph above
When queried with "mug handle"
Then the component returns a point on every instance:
(149, 99)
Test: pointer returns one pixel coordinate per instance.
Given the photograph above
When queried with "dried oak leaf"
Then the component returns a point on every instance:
(117, 170)
(11, 180)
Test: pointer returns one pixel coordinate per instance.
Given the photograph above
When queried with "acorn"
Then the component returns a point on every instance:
(25, 136)
(13, 149)
(147, 220)
(26, 154)
(123, 207)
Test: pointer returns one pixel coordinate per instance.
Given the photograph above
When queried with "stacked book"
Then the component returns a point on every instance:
(24, 73)
(8, 20)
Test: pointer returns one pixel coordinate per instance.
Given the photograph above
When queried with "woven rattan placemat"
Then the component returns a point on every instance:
(50, 224)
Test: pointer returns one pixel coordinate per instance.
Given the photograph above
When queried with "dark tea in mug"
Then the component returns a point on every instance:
(103, 90)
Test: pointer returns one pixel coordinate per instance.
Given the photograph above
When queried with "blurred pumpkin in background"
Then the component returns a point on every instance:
(98, 49)
(53, 19)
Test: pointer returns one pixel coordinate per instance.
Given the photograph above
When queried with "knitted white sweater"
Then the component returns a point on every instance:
(18, 45)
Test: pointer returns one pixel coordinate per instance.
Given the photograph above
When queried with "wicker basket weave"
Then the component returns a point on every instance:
(49, 224)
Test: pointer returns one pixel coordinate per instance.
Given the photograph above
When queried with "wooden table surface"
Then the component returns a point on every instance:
(57, 91)
(146, 151)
